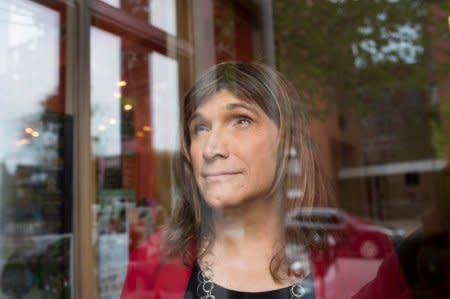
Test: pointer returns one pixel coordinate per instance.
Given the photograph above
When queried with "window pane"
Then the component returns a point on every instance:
(160, 13)
(35, 153)
(134, 94)
(373, 80)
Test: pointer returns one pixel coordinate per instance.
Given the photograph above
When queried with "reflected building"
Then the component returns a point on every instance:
(388, 162)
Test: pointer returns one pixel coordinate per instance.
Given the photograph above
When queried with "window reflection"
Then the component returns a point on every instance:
(163, 15)
(164, 102)
(371, 75)
(134, 129)
(35, 153)
(160, 13)
(106, 92)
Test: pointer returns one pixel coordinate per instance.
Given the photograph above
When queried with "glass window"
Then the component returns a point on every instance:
(373, 100)
(35, 152)
(372, 76)
(134, 130)
(160, 13)
(236, 31)
(372, 82)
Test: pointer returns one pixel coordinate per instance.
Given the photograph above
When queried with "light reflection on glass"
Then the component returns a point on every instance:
(115, 3)
(163, 15)
(160, 13)
(29, 54)
(33, 156)
(105, 92)
(164, 97)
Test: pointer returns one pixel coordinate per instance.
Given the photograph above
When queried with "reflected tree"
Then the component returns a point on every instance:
(380, 67)
(360, 48)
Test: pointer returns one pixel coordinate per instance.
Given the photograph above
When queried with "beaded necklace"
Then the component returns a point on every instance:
(205, 286)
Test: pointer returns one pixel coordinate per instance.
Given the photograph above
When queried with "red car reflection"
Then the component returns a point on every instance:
(344, 235)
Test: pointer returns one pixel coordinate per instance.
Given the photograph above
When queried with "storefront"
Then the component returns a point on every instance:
(90, 94)
(93, 90)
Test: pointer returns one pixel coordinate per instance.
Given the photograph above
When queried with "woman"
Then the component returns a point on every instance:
(241, 126)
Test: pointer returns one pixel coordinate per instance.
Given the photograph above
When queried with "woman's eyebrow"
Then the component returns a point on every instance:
(195, 116)
(233, 106)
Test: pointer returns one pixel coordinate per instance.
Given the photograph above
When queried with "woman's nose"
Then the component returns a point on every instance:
(215, 146)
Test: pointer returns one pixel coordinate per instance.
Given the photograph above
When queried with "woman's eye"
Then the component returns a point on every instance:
(243, 121)
(198, 128)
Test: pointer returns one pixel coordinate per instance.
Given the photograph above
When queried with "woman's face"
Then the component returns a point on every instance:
(233, 150)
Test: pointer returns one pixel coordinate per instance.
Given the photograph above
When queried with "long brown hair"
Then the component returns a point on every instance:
(260, 84)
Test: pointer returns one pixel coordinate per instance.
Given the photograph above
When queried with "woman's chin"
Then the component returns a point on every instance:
(223, 202)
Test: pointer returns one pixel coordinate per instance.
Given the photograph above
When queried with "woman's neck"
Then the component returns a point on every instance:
(247, 239)
(253, 225)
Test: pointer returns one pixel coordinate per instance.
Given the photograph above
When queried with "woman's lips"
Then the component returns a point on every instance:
(219, 176)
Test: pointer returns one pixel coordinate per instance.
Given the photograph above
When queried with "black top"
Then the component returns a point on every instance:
(220, 292)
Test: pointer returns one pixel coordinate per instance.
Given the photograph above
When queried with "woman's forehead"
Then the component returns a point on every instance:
(262, 103)
(227, 100)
